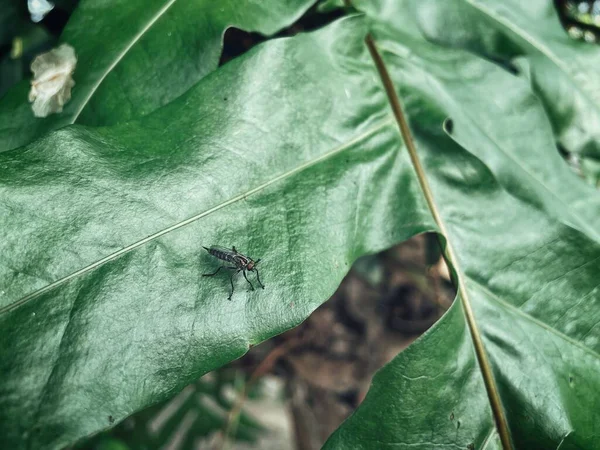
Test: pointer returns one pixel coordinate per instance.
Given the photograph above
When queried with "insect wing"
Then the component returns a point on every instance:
(222, 253)
(241, 260)
(233, 256)
(222, 249)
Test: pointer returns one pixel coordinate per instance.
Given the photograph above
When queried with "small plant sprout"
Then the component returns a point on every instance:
(240, 263)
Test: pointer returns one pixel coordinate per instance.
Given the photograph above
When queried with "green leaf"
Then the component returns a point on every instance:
(292, 153)
(326, 6)
(528, 36)
(136, 56)
(104, 307)
(530, 281)
(491, 113)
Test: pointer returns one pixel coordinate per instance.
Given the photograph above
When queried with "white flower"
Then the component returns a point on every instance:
(52, 82)
(39, 8)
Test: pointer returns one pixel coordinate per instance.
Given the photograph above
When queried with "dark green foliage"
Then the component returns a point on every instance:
(291, 152)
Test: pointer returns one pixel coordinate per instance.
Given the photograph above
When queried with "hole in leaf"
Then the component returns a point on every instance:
(448, 126)
(384, 303)
(236, 42)
(506, 64)
(580, 19)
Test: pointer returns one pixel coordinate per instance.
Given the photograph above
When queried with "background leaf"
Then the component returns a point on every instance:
(157, 50)
(198, 412)
(490, 112)
(528, 38)
(531, 282)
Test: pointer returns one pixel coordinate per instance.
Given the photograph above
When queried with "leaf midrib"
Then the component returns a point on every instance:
(339, 149)
(476, 339)
(120, 57)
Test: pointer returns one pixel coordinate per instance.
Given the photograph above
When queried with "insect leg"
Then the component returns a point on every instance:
(212, 274)
(231, 281)
(258, 278)
(244, 272)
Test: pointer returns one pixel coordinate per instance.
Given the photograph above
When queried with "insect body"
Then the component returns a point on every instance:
(240, 263)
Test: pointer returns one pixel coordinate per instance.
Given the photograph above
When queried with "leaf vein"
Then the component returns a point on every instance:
(198, 216)
(538, 322)
(120, 56)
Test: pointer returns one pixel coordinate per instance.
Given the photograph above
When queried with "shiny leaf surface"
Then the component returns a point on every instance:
(528, 259)
(104, 307)
(293, 154)
(136, 56)
(528, 38)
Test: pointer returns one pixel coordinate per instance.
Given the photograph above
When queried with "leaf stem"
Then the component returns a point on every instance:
(488, 377)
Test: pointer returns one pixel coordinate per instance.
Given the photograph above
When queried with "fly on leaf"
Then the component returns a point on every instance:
(239, 263)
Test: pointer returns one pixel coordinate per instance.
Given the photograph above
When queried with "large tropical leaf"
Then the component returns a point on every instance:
(137, 55)
(524, 340)
(293, 153)
(486, 103)
(104, 309)
(528, 35)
